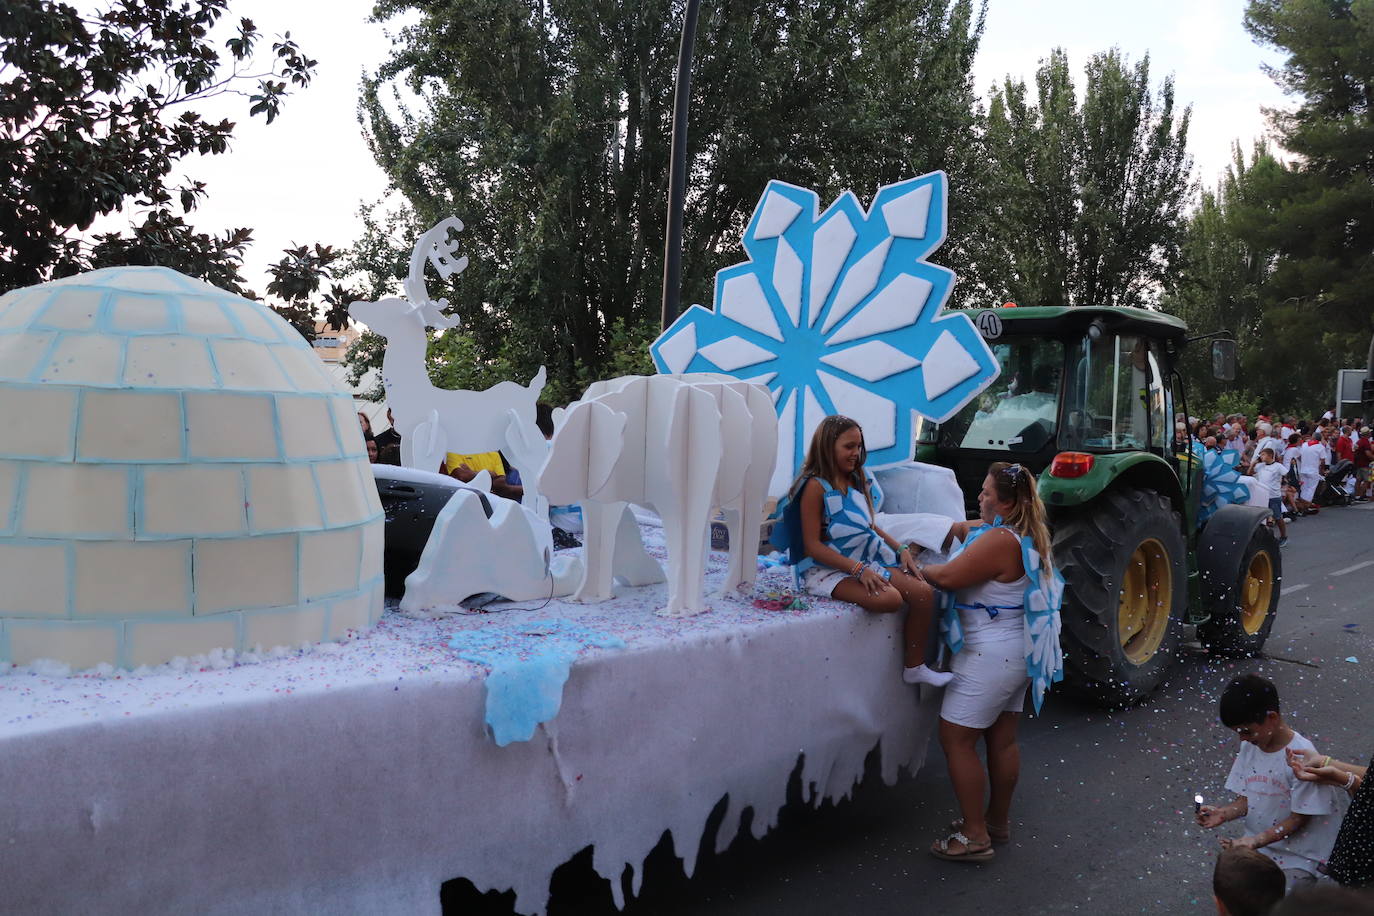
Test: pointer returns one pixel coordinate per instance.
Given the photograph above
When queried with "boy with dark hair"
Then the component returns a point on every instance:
(1246, 883)
(1285, 818)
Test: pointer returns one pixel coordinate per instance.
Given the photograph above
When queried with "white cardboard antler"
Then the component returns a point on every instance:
(438, 249)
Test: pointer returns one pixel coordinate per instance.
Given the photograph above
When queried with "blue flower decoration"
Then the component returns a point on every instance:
(840, 313)
(1221, 483)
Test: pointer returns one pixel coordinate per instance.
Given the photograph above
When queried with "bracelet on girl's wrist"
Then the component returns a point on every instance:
(1350, 782)
(1327, 761)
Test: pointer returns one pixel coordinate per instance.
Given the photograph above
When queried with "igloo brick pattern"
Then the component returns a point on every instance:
(178, 473)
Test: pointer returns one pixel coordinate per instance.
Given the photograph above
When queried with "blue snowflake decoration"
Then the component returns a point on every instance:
(840, 313)
(1221, 483)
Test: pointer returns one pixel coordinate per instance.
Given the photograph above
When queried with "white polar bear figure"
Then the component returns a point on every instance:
(685, 445)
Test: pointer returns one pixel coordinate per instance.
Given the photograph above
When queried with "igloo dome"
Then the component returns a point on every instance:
(178, 473)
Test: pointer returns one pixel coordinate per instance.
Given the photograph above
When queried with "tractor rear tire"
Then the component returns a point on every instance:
(1244, 607)
(1124, 562)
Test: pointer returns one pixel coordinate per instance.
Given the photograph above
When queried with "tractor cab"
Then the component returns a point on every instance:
(1078, 386)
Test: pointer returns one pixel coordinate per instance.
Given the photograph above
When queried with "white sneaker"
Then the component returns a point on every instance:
(923, 675)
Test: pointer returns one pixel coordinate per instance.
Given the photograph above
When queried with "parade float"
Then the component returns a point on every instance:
(286, 749)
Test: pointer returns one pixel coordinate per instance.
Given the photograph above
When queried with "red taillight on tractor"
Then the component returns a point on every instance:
(1071, 464)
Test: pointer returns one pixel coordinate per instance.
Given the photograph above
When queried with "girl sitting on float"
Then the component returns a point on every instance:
(843, 554)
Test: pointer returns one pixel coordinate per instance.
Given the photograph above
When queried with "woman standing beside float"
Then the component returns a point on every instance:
(1002, 625)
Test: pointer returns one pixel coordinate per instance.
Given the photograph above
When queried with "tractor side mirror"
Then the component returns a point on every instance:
(1224, 360)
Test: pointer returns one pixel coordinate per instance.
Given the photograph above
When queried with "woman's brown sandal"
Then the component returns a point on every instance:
(972, 852)
(1001, 836)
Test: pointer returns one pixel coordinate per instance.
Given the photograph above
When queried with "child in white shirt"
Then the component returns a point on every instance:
(1269, 473)
(1290, 821)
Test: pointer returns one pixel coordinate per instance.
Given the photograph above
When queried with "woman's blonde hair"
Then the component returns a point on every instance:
(820, 456)
(1014, 483)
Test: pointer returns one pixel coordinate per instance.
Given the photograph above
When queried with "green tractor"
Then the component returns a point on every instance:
(1086, 400)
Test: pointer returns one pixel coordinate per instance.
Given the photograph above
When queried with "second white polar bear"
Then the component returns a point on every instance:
(686, 445)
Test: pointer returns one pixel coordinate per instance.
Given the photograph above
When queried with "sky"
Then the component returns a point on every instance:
(303, 178)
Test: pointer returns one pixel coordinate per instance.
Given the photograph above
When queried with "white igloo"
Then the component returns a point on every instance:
(178, 473)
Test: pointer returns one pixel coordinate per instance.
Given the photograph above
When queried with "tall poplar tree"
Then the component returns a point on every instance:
(1085, 199)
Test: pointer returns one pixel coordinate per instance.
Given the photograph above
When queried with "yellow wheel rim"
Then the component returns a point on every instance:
(1256, 593)
(1147, 594)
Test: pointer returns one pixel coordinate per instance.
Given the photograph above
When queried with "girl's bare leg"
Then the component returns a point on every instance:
(920, 604)
(887, 601)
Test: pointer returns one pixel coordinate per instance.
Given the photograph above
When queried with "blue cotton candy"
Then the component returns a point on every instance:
(528, 671)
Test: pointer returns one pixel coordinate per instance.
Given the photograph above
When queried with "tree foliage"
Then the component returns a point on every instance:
(1319, 314)
(1085, 199)
(296, 279)
(1221, 278)
(94, 116)
(554, 151)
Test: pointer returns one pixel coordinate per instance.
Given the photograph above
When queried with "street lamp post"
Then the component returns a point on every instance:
(677, 174)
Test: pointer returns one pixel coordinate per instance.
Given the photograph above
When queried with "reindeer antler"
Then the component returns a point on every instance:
(436, 247)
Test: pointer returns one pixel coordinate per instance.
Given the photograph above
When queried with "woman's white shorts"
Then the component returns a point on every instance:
(989, 679)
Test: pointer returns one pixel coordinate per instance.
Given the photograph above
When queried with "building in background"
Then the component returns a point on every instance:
(330, 346)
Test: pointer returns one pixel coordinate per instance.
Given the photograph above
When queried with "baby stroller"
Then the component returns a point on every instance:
(1331, 489)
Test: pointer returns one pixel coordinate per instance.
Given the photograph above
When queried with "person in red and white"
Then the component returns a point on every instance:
(1364, 457)
(1267, 439)
(1311, 466)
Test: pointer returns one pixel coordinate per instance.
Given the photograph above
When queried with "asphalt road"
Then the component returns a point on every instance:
(1103, 819)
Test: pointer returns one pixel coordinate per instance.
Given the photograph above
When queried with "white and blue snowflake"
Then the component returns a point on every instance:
(1221, 483)
(840, 313)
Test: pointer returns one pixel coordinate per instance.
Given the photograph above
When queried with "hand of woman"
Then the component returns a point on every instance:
(1331, 776)
(1298, 759)
(909, 564)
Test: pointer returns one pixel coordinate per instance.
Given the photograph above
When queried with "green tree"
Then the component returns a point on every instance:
(1220, 279)
(296, 279)
(554, 149)
(1318, 311)
(95, 114)
(1085, 200)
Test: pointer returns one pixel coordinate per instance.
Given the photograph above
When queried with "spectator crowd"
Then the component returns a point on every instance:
(1298, 465)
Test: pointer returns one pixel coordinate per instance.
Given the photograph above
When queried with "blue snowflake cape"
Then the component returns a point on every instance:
(840, 312)
(1221, 483)
(1043, 599)
(529, 666)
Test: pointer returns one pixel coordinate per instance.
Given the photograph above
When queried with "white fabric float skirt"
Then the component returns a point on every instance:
(989, 677)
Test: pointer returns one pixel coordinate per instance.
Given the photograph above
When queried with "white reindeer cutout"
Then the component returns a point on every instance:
(435, 421)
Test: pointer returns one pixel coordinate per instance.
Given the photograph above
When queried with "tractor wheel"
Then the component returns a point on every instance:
(1244, 605)
(1126, 592)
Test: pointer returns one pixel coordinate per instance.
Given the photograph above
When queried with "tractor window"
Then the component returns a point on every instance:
(1161, 417)
(1110, 393)
(1017, 412)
